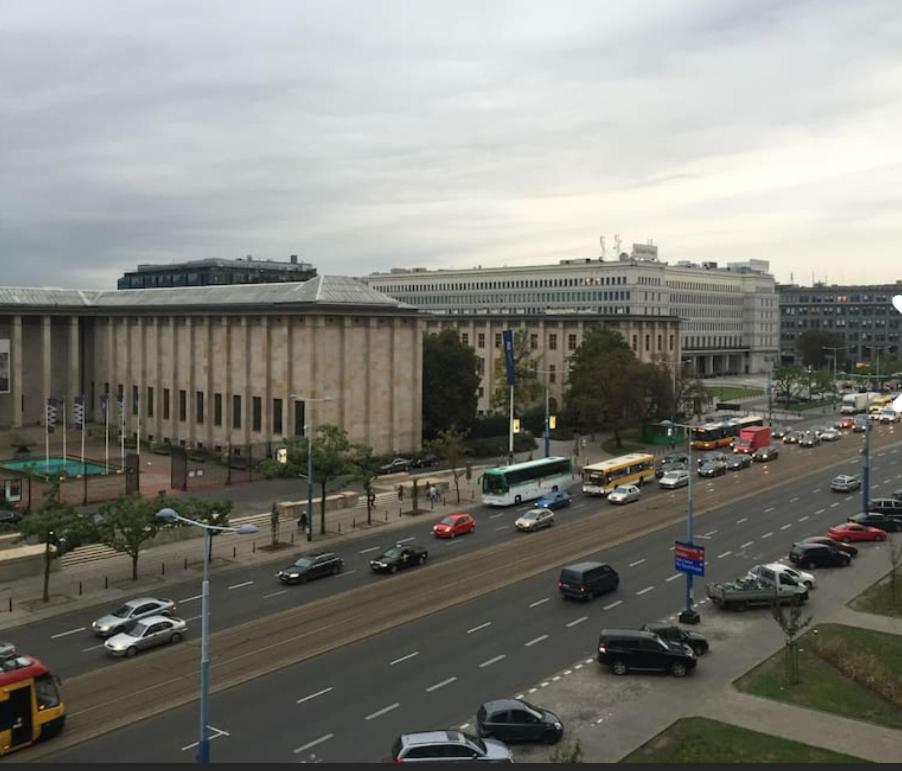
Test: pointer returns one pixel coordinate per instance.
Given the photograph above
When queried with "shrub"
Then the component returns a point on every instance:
(272, 469)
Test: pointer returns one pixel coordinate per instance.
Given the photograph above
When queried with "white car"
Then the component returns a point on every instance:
(535, 519)
(624, 494)
(830, 435)
(146, 633)
(673, 479)
(778, 567)
(888, 416)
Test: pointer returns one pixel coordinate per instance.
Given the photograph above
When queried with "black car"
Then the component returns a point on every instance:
(426, 460)
(778, 432)
(626, 649)
(739, 461)
(397, 466)
(10, 517)
(809, 439)
(875, 519)
(892, 507)
(309, 566)
(845, 548)
(514, 720)
(586, 580)
(672, 633)
(713, 468)
(399, 557)
(712, 455)
(765, 454)
(817, 555)
(672, 462)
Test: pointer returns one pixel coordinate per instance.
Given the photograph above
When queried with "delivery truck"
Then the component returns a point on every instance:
(751, 439)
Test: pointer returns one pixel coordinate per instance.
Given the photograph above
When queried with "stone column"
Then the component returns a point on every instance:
(16, 358)
(73, 377)
(190, 390)
(46, 371)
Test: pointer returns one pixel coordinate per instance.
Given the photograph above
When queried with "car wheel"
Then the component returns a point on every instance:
(176, 637)
(336, 569)
(619, 667)
(552, 737)
(847, 562)
(878, 537)
(131, 651)
(678, 669)
(811, 565)
(809, 584)
(393, 569)
(422, 560)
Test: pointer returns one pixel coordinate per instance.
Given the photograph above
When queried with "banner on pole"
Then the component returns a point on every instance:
(507, 338)
(51, 414)
(78, 413)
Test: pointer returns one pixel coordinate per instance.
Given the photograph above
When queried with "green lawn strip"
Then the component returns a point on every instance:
(878, 599)
(826, 688)
(700, 740)
(726, 393)
(629, 445)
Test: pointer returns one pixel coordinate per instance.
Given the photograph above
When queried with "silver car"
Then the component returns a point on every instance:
(831, 435)
(446, 747)
(673, 479)
(535, 519)
(131, 611)
(845, 483)
(146, 633)
(624, 494)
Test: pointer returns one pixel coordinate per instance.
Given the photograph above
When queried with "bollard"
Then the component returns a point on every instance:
(186, 563)
(163, 568)
(254, 547)
(10, 603)
(339, 527)
(106, 582)
(234, 552)
(292, 536)
(79, 588)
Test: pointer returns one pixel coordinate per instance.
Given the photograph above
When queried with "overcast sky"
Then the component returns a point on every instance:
(369, 135)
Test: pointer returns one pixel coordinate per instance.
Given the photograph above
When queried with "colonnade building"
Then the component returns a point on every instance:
(218, 365)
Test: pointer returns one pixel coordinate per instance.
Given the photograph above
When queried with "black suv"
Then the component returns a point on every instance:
(892, 507)
(514, 720)
(586, 580)
(626, 649)
(874, 519)
(308, 566)
(399, 557)
(671, 633)
(817, 555)
(426, 460)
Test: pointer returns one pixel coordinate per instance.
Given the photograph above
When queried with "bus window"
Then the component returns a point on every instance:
(494, 483)
(47, 694)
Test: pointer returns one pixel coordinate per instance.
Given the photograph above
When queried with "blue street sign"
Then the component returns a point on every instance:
(689, 558)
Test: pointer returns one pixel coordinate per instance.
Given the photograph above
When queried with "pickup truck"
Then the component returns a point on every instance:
(399, 557)
(747, 592)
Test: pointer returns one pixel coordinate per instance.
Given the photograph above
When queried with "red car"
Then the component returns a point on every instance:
(850, 531)
(454, 525)
(845, 423)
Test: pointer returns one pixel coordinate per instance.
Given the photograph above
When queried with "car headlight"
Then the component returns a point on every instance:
(558, 726)
(294, 575)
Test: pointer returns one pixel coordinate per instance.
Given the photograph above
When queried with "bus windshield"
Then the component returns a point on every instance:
(494, 483)
(594, 477)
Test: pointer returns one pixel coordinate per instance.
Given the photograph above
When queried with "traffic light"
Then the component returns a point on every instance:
(552, 422)
(516, 425)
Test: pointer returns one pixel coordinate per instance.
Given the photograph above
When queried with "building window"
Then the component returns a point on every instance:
(299, 418)
(552, 373)
(634, 342)
(480, 365)
(497, 339)
(256, 414)
(465, 338)
(571, 342)
(199, 407)
(660, 343)
(149, 401)
(552, 342)
(481, 340)
(165, 404)
(671, 342)
(120, 393)
(217, 409)
(277, 416)
(647, 342)
(136, 399)
(236, 411)
(481, 392)
(533, 342)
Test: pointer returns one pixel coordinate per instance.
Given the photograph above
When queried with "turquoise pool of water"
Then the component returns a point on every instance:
(54, 466)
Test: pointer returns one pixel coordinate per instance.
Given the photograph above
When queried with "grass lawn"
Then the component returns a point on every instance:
(822, 685)
(699, 740)
(728, 393)
(630, 444)
(877, 599)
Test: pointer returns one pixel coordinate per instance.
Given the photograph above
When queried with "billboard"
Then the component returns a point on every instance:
(4, 366)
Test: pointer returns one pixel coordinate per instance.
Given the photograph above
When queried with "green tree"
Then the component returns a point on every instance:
(275, 516)
(126, 524)
(811, 344)
(528, 387)
(449, 446)
(57, 525)
(788, 381)
(216, 513)
(332, 458)
(690, 397)
(365, 471)
(790, 620)
(450, 383)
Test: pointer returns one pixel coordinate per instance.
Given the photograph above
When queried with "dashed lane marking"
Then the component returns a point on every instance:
(834, 504)
(768, 534)
(216, 733)
(816, 490)
(613, 605)
(539, 602)
(740, 521)
(92, 648)
(442, 684)
(367, 551)
(495, 516)
(802, 519)
(192, 599)
(644, 591)
(709, 533)
(405, 540)
(746, 544)
(785, 527)
(495, 660)
(577, 621)
(66, 634)
(769, 509)
(274, 594)
(820, 511)
(314, 743)
(349, 572)
(637, 562)
(477, 628)
(725, 554)
(793, 500)
(315, 695)
(380, 712)
(535, 640)
(674, 577)
(403, 658)
(499, 529)
(241, 585)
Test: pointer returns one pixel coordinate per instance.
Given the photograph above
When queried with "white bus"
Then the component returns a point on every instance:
(633, 468)
(508, 485)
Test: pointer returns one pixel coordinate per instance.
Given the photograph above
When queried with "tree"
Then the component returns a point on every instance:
(690, 397)
(214, 513)
(365, 471)
(55, 524)
(126, 524)
(275, 515)
(450, 383)
(450, 446)
(332, 457)
(811, 344)
(787, 380)
(790, 620)
(527, 387)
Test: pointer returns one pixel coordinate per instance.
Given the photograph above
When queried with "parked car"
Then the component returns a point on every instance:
(145, 633)
(446, 747)
(739, 461)
(10, 517)
(845, 548)
(713, 468)
(765, 454)
(403, 555)
(830, 435)
(397, 466)
(125, 614)
(890, 506)
(515, 720)
(818, 555)
(674, 479)
(875, 519)
(625, 649)
(535, 519)
(844, 424)
(845, 483)
(776, 571)
(454, 525)
(850, 531)
(426, 460)
(555, 500)
(624, 494)
(587, 580)
(671, 633)
(809, 439)
(791, 437)
(778, 432)
(309, 566)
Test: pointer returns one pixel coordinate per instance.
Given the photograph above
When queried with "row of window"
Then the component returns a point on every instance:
(839, 298)
(499, 299)
(540, 283)
(849, 310)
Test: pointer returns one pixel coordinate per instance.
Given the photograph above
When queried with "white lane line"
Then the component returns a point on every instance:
(194, 618)
(674, 577)
(802, 519)
(768, 534)
(403, 658)
(834, 504)
(535, 640)
(644, 591)
(494, 660)
(314, 695)
(241, 585)
(311, 745)
(499, 529)
(64, 634)
(710, 533)
(215, 734)
(820, 511)
(347, 572)
(477, 628)
(92, 648)
(746, 544)
(740, 521)
(793, 500)
(442, 684)
(671, 548)
(725, 554)
(539, 602)
(192, 599)
(769, 509)
(786, 527)
(274, 594)
(382, 711)
(465, 726)
(495, 516)
(817, 490)
(887, 481)
(613, 605)
(637, 562)
(577, 621)
(405, 540)
(367, 551)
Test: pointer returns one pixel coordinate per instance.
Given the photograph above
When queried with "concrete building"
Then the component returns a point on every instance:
(862, 316)
(216, 272)
(213, 366)
(728, 315)
(552, 339)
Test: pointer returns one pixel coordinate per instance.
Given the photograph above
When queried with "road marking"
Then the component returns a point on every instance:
(876, 484)
(725, 554)
(768, 534)
(820, 511)
(499, 529)
(310, 745)
(366, 551)
(671, 548)
(740, 521)
(746, 544)
(274, 594)
(786, 527)
(477, 628)
(793, 500)
(347, 572)
(710, 533)
(613, 605)
(539, 602)
(545, 684)
(568, 671)
(64, 634)
(674, 577)
(403, 658)
(405, 540)
(577, 621)
(314, 695)
(834, 504)
(644, 591)
(239, 586)
(579, 666)
(495, 660)
(442, 684)
(555, 678)
(887, 481)
(538, 639)
(382, 711)
(637, 562)
(194, 618)
(802, 519)
(218, 732)
(92, 648)
(465, 726)
(192, 599)
(769, 509)
(817, 490)
(495, 516)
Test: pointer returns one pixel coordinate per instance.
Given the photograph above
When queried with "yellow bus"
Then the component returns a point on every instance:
(878, 403)
(31, 708)
(634, 468)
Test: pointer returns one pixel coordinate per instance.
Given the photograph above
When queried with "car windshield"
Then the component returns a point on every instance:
(137, 629)
(303, 562)
(532, 514)
(393, 553)
(448, 521)
(621, 489)
(124, 612)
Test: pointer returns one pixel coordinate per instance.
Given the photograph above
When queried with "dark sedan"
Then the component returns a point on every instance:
(739, 461)
(672, 633)
(515, 720)
(765, 454)
(845, 548)
(713, 468)
(399, 557)
(310, 566)
(397, 466)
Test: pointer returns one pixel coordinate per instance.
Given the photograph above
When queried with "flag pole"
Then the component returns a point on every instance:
(138, 405)
(83, 416)
(47, 408)
(106, 431)
(65, 431)
(122, 431)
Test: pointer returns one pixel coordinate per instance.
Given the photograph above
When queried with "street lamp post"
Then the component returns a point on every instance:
(308, 429)
(171, 516)
(835, 349)
(547, 431)
(689, 615)
(866, 467)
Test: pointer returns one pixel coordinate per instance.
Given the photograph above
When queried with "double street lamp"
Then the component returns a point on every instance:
(308, 430)
(171, 516)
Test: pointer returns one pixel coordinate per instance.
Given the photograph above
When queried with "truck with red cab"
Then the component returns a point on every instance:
(752, 438)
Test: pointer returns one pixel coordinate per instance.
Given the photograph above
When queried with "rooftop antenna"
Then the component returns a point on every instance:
(617, 243)
(603, 250)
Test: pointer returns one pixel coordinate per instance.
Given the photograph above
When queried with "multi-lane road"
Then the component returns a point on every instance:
(349, 703)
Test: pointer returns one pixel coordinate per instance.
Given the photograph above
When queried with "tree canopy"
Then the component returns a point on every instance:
(333, 456)
(811, 345)
(450, 446)
(126, 524)
(450, 383)
(529, 386)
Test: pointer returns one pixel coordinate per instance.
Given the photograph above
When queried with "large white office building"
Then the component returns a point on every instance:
(728, 315)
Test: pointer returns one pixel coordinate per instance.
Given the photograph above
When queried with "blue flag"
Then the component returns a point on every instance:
(507, 337)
